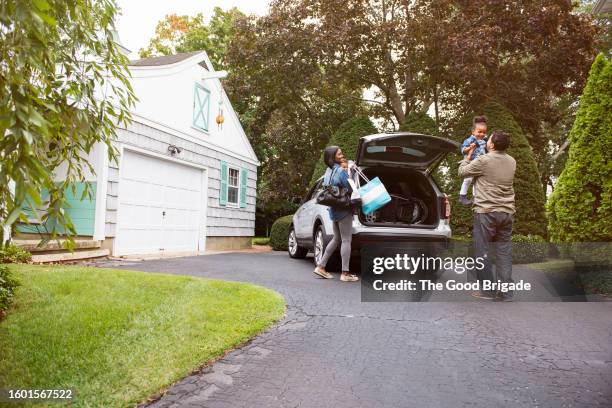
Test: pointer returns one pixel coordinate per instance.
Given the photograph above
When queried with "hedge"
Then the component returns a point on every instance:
(279, 233)
(347, 138)
(260, 241)
(530, 217)
(13, 254)
(587, 256)
(7, 288)
(528, 249)
(580, 207)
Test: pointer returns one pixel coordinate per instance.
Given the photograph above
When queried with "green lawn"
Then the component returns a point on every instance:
(599, 282)
(117, 337)
(559, 268)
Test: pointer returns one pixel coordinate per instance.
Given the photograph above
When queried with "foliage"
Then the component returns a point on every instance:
(551, 161)
(279, 234)
(580, 207)
(420, 122)
(347, 138)
(289, 106)
(185, 34)
(530, 217)
(14, 254)
(260, 240)
(599, 282)
(587, 256)
(63, 88)
(300, 71)
(528, 248)
(495, 52)
(118, 337)
(477, 48)
(8, 283)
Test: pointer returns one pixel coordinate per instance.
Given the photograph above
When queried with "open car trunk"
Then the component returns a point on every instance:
(414, 202)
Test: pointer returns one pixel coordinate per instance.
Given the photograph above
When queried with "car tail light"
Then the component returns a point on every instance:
(445, 207)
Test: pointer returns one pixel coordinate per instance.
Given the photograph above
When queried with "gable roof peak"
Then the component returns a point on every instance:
(164, 59)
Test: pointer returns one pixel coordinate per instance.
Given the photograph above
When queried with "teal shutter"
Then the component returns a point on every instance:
(243, 186)
(201, 107)
(223, 190)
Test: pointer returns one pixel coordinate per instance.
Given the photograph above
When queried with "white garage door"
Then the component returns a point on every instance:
(160, 206)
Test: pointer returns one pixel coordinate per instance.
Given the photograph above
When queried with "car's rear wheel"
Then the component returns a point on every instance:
(295, 251)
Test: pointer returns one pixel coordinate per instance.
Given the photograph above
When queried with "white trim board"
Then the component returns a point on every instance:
(101, 169)
(146, 152)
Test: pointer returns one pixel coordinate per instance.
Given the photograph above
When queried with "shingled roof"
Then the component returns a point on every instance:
(603, 7)
(163, 60)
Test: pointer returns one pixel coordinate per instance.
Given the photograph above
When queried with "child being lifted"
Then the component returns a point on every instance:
(472, 147)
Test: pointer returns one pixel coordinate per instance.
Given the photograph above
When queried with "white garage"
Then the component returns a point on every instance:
(161, 206)
(186, 177)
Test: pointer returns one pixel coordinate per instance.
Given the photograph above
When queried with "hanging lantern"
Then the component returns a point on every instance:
(220, 119)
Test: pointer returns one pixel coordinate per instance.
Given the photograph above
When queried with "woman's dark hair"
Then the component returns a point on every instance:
(501, 140)
(329, 155)
(479, 120)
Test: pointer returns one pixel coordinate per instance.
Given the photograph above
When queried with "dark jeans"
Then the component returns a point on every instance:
(493, 239)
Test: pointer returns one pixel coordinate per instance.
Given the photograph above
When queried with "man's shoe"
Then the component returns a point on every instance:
(480, 295)
(504, 297)
(322, 273)
(464, 200)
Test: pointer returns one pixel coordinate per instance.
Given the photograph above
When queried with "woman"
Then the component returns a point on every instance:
(342, 218)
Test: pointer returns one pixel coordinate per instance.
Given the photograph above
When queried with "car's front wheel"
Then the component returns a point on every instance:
(295, 251)
(319, 245)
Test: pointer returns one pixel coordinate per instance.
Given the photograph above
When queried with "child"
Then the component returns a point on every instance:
(474, 146)
(348, 165)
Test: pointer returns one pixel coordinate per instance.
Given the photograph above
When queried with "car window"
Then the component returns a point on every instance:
(313, 190)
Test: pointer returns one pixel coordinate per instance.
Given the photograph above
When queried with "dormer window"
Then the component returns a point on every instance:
(201, 107)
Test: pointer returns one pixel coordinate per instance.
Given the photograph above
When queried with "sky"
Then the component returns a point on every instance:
(136, 24)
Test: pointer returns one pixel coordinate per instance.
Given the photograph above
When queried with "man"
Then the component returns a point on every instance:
(493, 210)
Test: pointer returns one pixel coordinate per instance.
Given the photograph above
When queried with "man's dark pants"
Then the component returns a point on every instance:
(493, 238)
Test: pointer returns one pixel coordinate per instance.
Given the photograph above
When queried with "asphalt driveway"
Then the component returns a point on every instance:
(332, 350)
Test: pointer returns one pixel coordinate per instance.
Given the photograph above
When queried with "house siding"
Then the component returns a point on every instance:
(220, 220)
(81, 211)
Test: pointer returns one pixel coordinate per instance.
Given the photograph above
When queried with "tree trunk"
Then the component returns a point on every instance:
(436, 104)
(396, 104)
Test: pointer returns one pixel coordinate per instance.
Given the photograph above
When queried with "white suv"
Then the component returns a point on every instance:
(418, 211)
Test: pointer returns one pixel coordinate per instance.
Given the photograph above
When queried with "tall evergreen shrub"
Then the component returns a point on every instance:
(580, 207)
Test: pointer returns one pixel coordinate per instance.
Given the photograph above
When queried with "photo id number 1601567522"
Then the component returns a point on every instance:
(22, 394)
